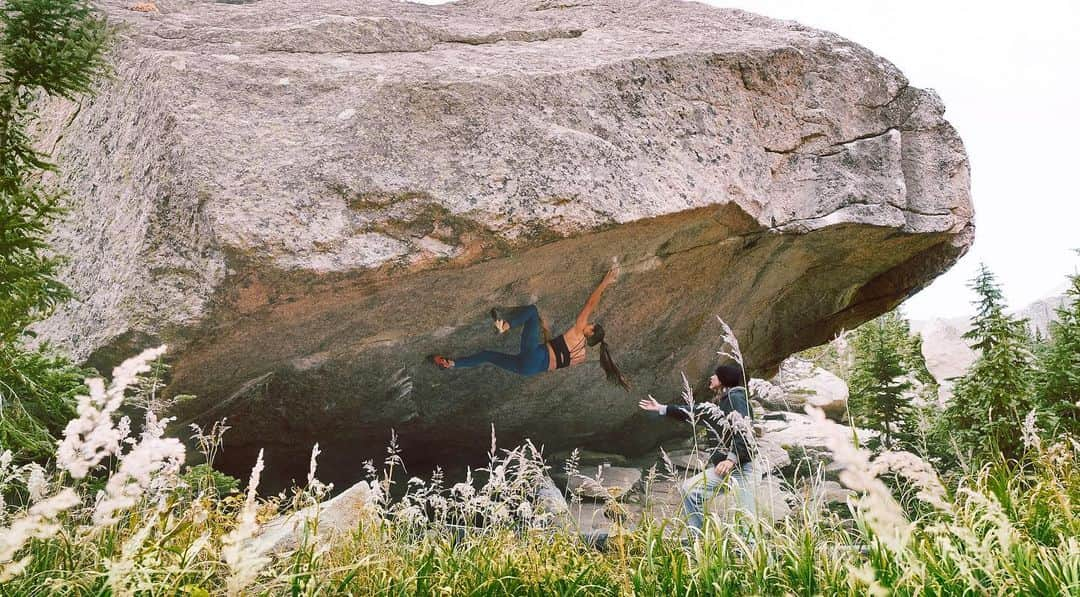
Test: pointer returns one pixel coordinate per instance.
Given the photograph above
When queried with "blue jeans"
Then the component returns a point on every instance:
(533, 357)
(705, 485)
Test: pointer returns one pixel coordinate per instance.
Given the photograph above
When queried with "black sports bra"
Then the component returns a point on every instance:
(563, 354)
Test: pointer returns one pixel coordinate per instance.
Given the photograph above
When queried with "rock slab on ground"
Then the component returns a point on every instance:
(330, 520)
(609, 482)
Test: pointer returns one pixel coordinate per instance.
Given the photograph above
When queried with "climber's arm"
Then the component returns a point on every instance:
(594, 298)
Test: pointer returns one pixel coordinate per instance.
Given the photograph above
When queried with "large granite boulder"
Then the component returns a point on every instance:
(304, 198)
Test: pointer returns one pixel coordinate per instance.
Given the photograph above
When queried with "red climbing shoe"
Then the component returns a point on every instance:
(442, 362)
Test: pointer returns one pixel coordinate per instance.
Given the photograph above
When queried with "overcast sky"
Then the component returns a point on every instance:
(1008, 74)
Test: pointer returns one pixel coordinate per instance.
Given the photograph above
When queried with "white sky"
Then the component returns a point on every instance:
(1009, 74)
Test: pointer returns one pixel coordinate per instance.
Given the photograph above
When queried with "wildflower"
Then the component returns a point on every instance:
(369, 470)
(393, 452)
(591, 487)
(1029, 433)
(437, 479)
(730, 346)
(7, 475)
(669, 466)
(464, 490)
(916, 470)
(209, 441)
(841, 343)
(92, 437)
(317, 487)
(123, 430)
(879, 508)
(38, 523)
(525, 511)
(438, 504)
(992, 512)
(865, 575)
(411, 515)
(499, 514)
(571, 464)
(5, 462)
(241, 553)
(650, 475)
(147, 468)
(36, 484)
(121, 569)
(765, 391)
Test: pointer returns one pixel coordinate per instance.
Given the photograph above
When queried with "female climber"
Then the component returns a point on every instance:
(535, 357)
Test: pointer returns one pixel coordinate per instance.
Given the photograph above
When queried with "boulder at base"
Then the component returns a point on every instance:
(305, 198)
(609, 482)
(801, 384)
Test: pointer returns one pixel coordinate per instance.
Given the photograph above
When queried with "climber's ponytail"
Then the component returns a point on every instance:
(611, 370)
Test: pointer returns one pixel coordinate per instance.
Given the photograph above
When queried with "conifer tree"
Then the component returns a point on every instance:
(880, 383)
(47, 48)
(991, 400)
(1058, 382)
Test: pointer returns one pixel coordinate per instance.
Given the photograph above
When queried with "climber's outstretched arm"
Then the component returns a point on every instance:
(594, 298)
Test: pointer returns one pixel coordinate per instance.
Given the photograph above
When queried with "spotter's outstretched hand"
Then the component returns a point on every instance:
(649, 404)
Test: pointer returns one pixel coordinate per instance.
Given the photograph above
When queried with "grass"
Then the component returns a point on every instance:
(1002, 537)
(1007, 528)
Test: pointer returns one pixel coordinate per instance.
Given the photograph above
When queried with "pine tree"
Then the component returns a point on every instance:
(1058, 383)
(880, 380)
(991, 400)
(47, 48)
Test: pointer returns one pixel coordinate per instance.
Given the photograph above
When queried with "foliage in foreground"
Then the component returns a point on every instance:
(1007, 529)
(47, 48)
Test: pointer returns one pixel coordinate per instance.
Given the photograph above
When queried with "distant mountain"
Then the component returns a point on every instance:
(945, 350)
(947, 353)
(1041, 312)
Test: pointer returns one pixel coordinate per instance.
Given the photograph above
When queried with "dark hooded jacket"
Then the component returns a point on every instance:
(725, 440)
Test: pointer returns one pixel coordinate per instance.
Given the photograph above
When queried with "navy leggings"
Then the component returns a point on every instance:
(533, 357)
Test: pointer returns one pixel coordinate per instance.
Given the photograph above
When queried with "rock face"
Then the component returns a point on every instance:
(305, 198)
(801, 448)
